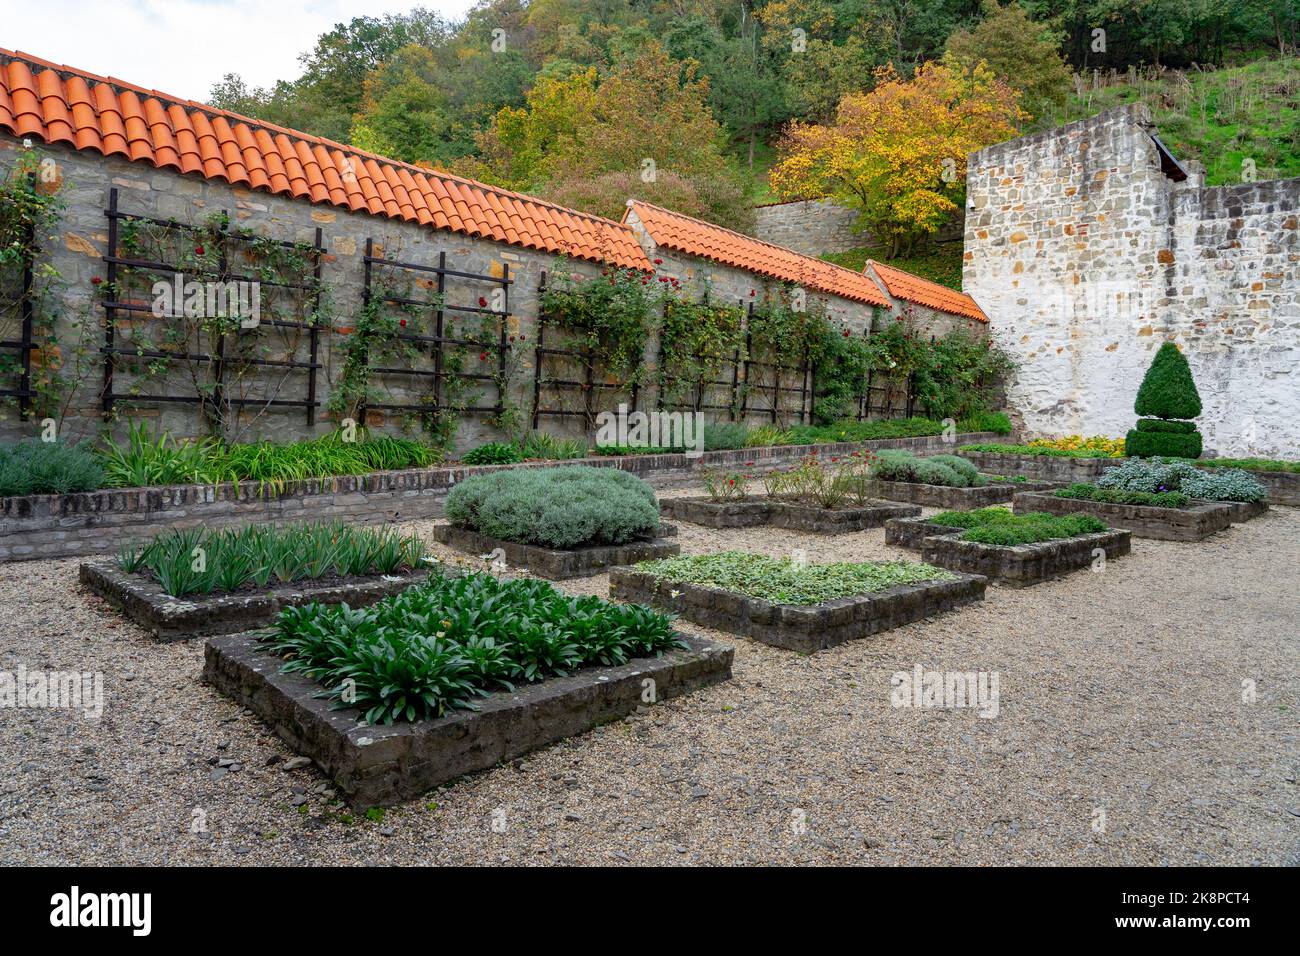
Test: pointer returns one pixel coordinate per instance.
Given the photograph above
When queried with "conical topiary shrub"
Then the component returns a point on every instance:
(1168, 394)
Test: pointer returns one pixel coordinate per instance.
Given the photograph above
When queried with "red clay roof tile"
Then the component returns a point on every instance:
(698, 238)
(912, 288)
(110, 116)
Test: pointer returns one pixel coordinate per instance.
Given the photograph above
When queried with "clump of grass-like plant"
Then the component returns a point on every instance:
(198, 561)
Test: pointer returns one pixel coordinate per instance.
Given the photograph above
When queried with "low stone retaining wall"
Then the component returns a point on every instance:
(751, 513)
(1024, 564)
(1239, 511)
(910, 532)
(1196, 521)
(100, 522)
(1041, 467)
(956, 499)
(559, 564)
(384, 765)
(804, 629)
(168, 618)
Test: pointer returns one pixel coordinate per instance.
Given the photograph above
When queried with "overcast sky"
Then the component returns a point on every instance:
(183, 47)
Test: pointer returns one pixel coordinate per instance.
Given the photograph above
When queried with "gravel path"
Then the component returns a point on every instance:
(1121, 703)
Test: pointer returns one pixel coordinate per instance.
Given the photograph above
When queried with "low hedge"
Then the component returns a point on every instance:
(1158, 499)
(438, 645)
(566, 507)
(1154, 438)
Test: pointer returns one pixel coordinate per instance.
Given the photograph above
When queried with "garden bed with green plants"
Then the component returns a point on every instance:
(191, 583)
(1016, 549)
(1191, 521)
(1037, 462)
(940, 481)
(557, 522)
(821, 496)
(452, 676)
(795, 605)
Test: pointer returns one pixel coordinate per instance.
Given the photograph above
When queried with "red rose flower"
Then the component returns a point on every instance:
(482, 356)
(96, 280)
(402, 322)
(198, 250)
(482, 301)
(659, 262)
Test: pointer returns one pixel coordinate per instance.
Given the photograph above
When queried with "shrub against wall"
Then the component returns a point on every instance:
(1168, 393)
(556, 507)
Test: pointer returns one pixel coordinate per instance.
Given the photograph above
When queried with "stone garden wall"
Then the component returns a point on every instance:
(1087, 256)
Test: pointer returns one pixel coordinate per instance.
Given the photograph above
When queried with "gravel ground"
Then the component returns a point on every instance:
(1121, 711)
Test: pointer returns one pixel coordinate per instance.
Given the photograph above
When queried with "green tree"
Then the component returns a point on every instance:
(1018, 50)
(1168, 394)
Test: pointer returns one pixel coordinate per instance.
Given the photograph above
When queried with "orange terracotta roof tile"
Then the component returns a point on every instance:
(698, 238)
(61, 105)
(912, 288)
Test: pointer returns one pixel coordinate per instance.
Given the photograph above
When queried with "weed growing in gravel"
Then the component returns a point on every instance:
(783, 581)
(197, 561)
(438, 645)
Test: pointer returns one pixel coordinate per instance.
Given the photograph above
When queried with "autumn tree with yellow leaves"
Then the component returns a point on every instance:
(898, 153)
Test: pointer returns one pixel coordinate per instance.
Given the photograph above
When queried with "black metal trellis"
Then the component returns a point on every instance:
(438, 340)
(702, 387)
(586, 357)
(776, 390)
(25, 345)
(115, 308)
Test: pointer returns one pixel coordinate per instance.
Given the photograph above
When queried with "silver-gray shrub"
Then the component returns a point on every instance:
(1164, 474)
(556, 507)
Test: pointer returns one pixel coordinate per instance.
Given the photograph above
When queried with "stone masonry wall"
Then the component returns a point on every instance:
(82, 238)
(1087, 257)
(811, 226)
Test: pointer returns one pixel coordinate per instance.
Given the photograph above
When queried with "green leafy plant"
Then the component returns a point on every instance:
(493, 453)
(565, 507)
(1037, 450)
(1160, 475)
(198, 561)
(720, 436)
(440, 644)
(783, 581)
(696, 340)
(47, 468)
(612, 314)
(997, 422)
(1250, 464)
(1001, 526)
(548, 447)
(896, 464)
(724, 485)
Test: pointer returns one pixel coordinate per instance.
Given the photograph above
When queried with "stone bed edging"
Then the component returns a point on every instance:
(1023, 565)
(168, 618)
(557, 564)
(952, 498)
(750, 513)
(798, 628)
(1197, 521)
(34, 527)
(384, 765)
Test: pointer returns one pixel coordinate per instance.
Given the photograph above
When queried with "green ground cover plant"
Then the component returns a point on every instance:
(441, 643)
(896, 464)
(1249, 464)
(493, 453)
(548, 447)
(1158, 499)
(783, 581)
(48, 468)
(565, 507)
(198, 561)
(1000, 526)
(1001, 449)
(1161, 474)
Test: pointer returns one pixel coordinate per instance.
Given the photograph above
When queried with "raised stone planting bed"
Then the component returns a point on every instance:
(101, 522)
(168, 618)
(753, 512)
(1239, 511)
(1283, 486)
(1023, 564)
(952, 498)
(557, 564)
(384, 765)
(1193, 523)
(910, 532)
(804, 629)
(1055, 468)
